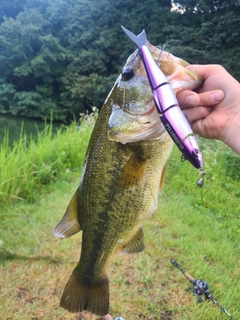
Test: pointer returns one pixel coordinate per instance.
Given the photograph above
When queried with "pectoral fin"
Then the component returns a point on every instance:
(162, 179)
(133, 172)
(69, 225)
(136, 244)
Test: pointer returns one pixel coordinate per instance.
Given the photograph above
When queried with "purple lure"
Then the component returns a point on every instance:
(171, 115)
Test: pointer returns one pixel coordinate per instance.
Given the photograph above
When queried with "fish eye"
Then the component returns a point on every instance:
(127, 74)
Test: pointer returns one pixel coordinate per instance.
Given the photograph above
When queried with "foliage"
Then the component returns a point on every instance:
(61, 57)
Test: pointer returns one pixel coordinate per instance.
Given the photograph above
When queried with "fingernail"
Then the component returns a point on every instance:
(217, 96)
(192, 100)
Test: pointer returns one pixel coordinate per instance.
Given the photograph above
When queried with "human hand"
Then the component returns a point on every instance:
(214, 109)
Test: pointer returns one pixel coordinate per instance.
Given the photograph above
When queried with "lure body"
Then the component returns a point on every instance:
(167, 105)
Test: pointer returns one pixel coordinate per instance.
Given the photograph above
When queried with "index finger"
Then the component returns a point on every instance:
(188, 98)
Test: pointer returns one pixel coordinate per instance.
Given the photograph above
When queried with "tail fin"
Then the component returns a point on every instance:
(78, 296)
(140, 40)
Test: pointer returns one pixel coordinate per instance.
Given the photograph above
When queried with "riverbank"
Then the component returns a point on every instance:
(199, 229)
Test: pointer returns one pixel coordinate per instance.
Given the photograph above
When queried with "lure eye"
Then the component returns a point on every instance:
(127, 74)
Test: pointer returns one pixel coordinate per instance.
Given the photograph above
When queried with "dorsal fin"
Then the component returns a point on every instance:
(69, 224)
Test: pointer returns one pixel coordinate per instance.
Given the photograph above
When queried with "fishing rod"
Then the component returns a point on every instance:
(200, 288)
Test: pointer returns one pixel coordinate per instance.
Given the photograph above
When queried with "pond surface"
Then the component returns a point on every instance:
(14, 126)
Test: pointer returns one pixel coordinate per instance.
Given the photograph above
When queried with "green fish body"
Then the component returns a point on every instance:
(123, 173)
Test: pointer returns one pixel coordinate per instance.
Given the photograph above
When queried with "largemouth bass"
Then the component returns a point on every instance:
(122, 175)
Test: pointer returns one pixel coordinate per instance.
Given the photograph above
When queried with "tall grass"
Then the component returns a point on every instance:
(32, 163)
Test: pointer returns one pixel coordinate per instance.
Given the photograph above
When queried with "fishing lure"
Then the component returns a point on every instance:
(167, 105)
(200, 288)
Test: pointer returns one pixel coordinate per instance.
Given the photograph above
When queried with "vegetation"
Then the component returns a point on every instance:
(62, 56)
(31, 164)
(200, 231)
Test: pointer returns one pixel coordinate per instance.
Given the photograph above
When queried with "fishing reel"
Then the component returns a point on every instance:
(199, 289)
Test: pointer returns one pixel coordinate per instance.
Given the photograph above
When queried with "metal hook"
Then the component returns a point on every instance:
(160, 54)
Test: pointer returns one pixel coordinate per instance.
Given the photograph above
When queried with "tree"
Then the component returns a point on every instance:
(211, 37)
(62, 56)
(10, 9)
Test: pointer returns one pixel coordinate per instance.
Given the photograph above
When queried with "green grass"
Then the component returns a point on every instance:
(198, 228)
(31, 164)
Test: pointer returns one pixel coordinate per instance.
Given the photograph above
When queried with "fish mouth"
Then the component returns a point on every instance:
(125, 127)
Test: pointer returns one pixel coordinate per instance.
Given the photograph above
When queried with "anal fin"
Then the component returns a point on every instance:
(69, 224)
(135, 244)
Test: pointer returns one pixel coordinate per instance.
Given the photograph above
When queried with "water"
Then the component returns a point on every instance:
(14, 126)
